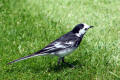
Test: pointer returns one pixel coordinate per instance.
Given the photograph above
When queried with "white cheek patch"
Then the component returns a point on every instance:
(86, 26)
(81, 32)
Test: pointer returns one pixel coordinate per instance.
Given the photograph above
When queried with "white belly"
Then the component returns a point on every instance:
(64, 52)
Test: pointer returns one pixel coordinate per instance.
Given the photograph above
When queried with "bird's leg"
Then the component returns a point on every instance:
(63, 60)
(59, 60)
(67, 63)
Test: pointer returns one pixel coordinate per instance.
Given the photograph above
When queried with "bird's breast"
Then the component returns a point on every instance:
(65, 52)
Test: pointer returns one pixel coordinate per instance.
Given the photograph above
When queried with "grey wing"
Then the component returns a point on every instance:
(66, 41)
(57, 46)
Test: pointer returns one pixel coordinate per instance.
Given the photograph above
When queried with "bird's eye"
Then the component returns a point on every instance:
(86, 29)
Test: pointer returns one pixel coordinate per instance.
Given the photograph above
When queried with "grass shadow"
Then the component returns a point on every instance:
(57, 68)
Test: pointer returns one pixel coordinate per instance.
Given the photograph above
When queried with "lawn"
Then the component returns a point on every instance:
(27, 26)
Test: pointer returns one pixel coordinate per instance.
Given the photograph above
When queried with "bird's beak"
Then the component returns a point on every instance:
(91, 26)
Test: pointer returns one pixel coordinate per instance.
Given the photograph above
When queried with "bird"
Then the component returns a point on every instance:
(62, 46)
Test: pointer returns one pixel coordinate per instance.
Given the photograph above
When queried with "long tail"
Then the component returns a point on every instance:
(26, 57)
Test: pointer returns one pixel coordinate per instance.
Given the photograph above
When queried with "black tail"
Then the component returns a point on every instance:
(26, 57)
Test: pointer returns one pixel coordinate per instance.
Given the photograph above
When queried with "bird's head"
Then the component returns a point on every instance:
(81, 29)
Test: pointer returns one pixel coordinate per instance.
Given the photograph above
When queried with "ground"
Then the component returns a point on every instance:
(27, 26)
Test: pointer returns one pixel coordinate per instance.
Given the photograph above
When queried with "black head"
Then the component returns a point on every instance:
(77, 28)
(81, 28)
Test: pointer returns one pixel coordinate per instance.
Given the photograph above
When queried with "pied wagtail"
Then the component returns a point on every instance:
(63, 45)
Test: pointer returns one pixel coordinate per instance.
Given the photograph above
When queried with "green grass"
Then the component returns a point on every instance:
(26, 26)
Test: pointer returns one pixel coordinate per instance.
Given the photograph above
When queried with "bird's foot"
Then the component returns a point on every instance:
(61, 59)
(70, 65)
